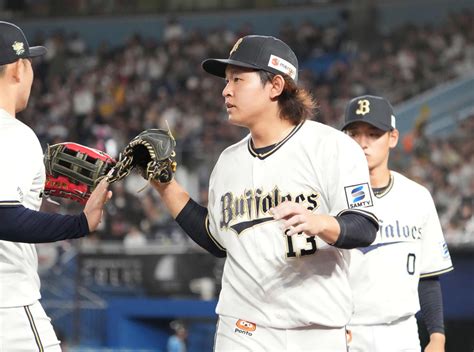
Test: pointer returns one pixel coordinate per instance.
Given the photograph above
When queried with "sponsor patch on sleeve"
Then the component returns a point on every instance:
(444, 250)
(358, 196)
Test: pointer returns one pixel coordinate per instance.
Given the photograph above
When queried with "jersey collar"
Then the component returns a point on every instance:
(380, 192)
(272, 149)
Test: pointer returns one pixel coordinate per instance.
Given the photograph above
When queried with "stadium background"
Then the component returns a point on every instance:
(116, 67)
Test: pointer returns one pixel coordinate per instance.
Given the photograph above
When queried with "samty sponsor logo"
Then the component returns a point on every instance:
(245, 327)
(358, 196)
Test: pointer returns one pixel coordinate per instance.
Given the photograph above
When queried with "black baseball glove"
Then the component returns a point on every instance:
(151, 153)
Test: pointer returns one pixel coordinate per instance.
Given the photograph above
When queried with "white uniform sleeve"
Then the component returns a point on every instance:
(348, 182)
(434, 252)
(17, 168)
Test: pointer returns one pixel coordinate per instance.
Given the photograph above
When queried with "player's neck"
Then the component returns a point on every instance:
(9, 110)
(7, 102)
(264, 135)
(379, 177)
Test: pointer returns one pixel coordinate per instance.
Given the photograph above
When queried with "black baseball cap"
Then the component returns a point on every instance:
(371, 109)
(14, 46)
(258, 52)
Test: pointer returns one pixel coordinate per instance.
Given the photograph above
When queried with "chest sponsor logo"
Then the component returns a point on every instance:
(245, 327)
(358, 196)
(251, 208)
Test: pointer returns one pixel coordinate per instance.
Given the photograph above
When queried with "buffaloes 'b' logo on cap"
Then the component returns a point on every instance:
(364, 107)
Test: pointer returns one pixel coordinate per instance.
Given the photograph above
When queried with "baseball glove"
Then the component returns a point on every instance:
(151, 153)
(74, 170)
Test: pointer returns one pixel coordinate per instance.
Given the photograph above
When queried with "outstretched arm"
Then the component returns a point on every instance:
(173, 195)
(20, 224)
(189, 215)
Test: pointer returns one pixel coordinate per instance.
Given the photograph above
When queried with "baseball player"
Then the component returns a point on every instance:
(283, 202)
(409, 245)
(24, 325)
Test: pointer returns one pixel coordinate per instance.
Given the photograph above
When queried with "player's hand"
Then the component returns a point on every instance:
(95, 204)
(436, 344)
(296, 219)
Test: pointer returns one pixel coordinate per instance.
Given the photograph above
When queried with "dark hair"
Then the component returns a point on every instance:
(2, 69)
(296, 104)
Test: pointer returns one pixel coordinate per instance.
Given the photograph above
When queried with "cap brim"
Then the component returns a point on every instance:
(217, 67)
(376, 124)
(36, 51)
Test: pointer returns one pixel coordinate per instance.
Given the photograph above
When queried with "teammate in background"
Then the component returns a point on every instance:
(400, 270)
(282, 203)
(24, 325)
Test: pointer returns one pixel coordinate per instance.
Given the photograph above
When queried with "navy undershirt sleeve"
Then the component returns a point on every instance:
(431, 302)
(20, 224)
(192, 220)
(357, 230)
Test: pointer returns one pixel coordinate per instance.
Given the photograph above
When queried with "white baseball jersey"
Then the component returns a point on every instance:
(269, 278)
(409, 245)
(21, 183)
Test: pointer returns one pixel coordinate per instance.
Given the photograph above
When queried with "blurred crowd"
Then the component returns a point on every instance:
(103, 97)
(446, 167)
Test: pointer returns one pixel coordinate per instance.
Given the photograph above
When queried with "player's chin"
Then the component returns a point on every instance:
(233, 119)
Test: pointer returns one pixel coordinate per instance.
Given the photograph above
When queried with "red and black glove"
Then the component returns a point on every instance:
(74, 170)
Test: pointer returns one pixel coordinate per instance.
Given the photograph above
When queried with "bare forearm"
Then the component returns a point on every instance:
(173, 195)
(329, 228)
(348, 230)
(437, 343)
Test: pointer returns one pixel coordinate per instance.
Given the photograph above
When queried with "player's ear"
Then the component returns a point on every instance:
(393, 138)
(278, 84)
(14, 70)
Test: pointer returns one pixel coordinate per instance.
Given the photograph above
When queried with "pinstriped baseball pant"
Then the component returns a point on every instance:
(27, 329)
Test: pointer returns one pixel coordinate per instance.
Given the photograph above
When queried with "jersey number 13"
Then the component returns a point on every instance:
(309, 249)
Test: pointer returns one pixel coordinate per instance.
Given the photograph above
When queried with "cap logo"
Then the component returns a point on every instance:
(18, 47)
(282, 65)
(364, 107)
(236, 45)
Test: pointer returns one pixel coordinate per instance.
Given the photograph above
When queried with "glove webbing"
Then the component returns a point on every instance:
(153, 167)
(120, 170)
